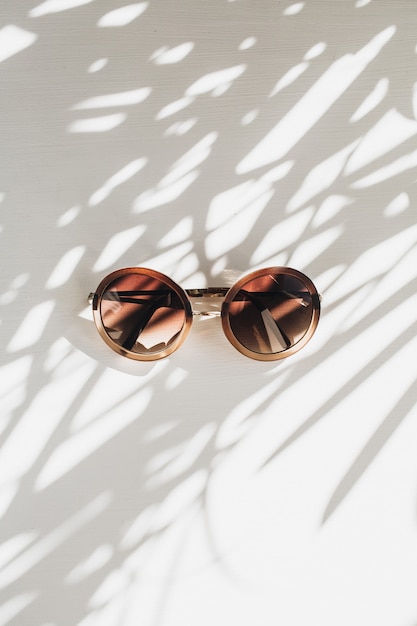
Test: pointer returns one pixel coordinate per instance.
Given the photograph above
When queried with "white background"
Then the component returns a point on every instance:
(205, 138)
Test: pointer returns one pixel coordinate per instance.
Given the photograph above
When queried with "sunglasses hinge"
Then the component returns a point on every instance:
(92, 299)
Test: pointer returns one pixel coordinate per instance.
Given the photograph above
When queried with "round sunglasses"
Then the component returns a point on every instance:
(266, 315)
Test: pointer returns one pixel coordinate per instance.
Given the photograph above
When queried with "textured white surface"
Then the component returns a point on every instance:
(204, 139)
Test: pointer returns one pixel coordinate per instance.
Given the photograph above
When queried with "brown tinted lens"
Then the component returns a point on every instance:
(271, 313)
(141, 314)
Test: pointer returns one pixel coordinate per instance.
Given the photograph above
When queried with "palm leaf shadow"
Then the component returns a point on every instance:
(381, 436)
(371, 450)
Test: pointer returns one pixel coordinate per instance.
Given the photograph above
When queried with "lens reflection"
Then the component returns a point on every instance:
(271, 313)
(141, 314)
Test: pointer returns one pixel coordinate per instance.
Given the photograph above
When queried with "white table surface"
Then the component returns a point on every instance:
(205, 139)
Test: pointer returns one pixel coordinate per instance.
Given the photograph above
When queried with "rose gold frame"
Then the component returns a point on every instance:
(228, 294)
(96, 297)
(275, 356)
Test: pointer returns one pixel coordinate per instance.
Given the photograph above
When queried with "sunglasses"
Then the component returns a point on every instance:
(267, 315)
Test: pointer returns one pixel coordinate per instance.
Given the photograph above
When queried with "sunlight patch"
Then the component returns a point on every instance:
(315, 51)
(293, 9)
(117, 246)
(159, 431)
(331, 206)
(390, 131)
(8, 492)
(13, 393)
(227, 204)
(39, 421)
(58, 351)
(75, 449)
(99, 401)
(233, 233)
(138, 529)
(65, 267)
(190, 159)
(399, 166)
(240, 419)
(215, 80)
(313, 104)
(373, 263)
(311, 249)
(14, 374)
(97, 124)
(14, 605)
(10, 548)
(164, 194)
(290, 77)
(249, 117)
(123, 98)
(181, 231)
(221, 89)
(68, 217)
(219, 266)
(166, 56)
(54, 539)
(126, 173)
(393, 281)
(173, 107)
(175, 378)
(330, 276)
(13, 40)
(108, 603)
(181, 175)
(321, 177)
(96, 561)
(247, 43)
(8, 297)
(180, 498)
(178, 460)
(414, 100)
(122, 16)
(13, 290)
(282, 235)
(180, 128)
(167, 261)
(398, 205)
(97, 65)
(32, 326)
(372, 100)
(56, 6)
(187, 269)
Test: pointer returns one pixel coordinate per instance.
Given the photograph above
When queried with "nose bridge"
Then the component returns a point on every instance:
(208, 292)
(207, 301)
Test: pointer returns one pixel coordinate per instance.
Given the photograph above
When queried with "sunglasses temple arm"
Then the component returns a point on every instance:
(129, 297)
(222, 291)
(129, 341)
(145, 315)
(267, 317)
(193, 293)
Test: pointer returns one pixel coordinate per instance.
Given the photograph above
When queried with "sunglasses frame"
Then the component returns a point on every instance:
(227, 293)
(271, 356)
